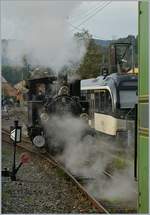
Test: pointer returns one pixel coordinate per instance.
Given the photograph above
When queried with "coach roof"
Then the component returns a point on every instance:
(104, 81)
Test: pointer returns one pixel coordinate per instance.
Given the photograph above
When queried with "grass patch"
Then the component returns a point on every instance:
(5, 196)
(119, 163)
(29, 199)
(61, 173)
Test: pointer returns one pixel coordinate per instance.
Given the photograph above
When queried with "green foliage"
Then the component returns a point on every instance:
(11, 74)
(97, 56)
(90, 65)
(14, 74)
(83, 37)
(133, 40)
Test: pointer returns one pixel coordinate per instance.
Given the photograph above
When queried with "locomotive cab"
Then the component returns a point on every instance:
(38, 90)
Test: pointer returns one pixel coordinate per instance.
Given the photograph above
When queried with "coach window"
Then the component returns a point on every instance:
(97, 102)
(108, 101)
(84, 94)
(88, 95)
(105, 102)
(102, 101)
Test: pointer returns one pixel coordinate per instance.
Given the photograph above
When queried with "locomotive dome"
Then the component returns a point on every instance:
(39, 73)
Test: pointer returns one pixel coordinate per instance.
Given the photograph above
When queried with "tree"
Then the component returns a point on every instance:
(90, 65)
(14, 74)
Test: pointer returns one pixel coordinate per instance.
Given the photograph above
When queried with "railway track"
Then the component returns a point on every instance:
(100, 206)
(26, 144)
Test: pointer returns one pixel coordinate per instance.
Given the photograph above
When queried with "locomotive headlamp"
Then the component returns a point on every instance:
(64, 90)
(39, 141)
(84, 116)
(44, 117)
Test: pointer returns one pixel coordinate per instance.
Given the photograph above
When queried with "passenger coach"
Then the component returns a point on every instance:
(112, 101)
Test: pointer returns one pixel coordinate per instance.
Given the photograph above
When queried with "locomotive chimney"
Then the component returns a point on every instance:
(62, 79)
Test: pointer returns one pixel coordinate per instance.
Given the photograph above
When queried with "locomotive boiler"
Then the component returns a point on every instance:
(49, 96)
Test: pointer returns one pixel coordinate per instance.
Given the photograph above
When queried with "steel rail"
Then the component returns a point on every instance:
(100, 208)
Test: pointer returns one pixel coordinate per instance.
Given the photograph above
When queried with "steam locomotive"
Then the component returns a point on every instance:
(49, 96)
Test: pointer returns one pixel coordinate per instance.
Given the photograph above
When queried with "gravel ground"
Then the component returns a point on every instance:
(15, 113)
(39, 188)
(39, 191)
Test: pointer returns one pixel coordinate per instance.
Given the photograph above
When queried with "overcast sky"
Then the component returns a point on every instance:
(111, 19)
(103, 19)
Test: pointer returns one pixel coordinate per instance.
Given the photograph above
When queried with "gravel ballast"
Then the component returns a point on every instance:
(40, 188)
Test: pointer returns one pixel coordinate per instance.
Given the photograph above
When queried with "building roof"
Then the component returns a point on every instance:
(3, 80)
(91, 82)
(8, 90)
(113, 78)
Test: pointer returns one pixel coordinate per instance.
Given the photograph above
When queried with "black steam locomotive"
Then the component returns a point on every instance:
(49, 96)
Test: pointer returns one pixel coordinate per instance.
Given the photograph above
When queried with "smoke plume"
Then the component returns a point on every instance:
(41, 33)
(88, 157)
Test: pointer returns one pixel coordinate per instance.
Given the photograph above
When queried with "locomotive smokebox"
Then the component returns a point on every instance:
(74, 85)
(75, 88)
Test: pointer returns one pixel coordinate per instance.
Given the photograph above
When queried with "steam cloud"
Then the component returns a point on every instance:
(88, 157)
(41, 32)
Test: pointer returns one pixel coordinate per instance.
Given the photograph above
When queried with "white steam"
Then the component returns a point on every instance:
(41, 32)
(121, 187)
(89, 157)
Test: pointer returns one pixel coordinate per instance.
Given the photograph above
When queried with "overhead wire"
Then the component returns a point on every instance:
(97, 11)
(82, 13)
(87, 13)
